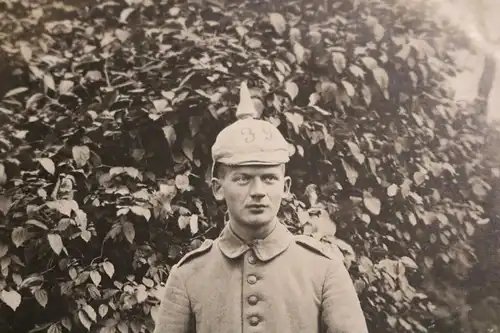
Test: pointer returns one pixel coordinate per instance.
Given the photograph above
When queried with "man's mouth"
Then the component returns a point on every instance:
(257, 206)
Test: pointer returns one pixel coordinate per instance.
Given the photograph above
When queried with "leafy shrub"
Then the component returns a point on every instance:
(110, 111)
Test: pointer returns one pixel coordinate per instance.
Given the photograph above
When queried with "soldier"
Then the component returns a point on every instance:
(257, 276)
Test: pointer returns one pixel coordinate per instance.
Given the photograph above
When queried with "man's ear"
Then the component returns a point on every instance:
(217, 190)
(288, 185)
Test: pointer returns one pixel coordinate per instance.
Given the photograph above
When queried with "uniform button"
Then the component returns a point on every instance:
(252, 279)
(252, 260)
(254, 321)
(252, 300)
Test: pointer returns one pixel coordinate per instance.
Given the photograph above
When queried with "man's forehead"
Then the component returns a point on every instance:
(254, 168)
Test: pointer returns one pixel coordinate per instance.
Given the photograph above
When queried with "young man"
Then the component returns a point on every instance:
(257, 276)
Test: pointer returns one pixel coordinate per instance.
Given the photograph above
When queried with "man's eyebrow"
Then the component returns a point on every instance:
(270, 173)
(241, 173)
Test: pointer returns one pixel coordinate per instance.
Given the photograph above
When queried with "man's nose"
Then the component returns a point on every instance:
(257, 188)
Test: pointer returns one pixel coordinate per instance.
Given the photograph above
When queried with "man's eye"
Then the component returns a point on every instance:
(241, 179)
(270, 178)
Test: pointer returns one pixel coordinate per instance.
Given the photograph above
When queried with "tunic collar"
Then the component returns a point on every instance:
(265, 249)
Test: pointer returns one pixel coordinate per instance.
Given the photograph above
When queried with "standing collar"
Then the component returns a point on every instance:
(265, 249)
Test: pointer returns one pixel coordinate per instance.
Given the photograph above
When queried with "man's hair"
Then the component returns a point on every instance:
(221, 170)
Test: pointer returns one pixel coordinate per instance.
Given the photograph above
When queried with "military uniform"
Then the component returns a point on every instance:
(282, 283)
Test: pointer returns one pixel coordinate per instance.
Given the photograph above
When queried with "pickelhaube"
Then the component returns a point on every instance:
(249, 141)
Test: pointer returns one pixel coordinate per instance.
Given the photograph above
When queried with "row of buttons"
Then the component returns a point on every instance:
(252, 300)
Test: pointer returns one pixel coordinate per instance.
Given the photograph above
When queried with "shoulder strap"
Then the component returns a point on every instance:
(315, 246)
(203, 248)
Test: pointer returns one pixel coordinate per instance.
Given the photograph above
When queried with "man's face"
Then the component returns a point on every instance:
(253, 194)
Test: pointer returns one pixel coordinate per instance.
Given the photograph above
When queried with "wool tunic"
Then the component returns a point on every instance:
(281, 284)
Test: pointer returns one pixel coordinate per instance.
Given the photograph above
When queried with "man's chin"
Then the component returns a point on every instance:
(258, 221)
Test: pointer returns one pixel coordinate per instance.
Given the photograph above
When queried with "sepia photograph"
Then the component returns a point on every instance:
(249, 166)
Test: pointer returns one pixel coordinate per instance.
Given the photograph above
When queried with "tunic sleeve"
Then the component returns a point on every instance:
(174, 315)
(341, 309)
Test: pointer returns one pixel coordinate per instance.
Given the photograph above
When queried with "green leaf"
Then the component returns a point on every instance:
(4, 248)
(66, 322)
(86, 235)
(141, 211)
(170, 135)
(65, 86)
(48, 82)
(419, 177)
(405, 324)
(41, 297)
(356, 71)
(378, 32)
(348, 88)
(5, 204)
(479, 190)
(367, 94)
(369, 63)
(141, 294)
(351, 173)
(55, 242)
(3, 175)
(84, 319)
(329, 141)
(81, 155)
(109, 329)
(366, 218)
(125, 14)
(12, 298)
(65, 207)
(299, 52)
(183, 221)
(54, 328)
(193, 223)
(372, 203)
(291, 89)
(329, 92)
(19, 236)
(82, 278)
(278, 22)
(136, 327)
(90, 312)
(95, 277)
(408, 262)
(48, 165)
(103, 310)
(160, 105)
(188, 148)
(15, 91)
(122, 35)
(392, 190)
(37, 224)
(129, 231)
(253, 43)
(122, 327)
(382, 80)
(295, 119)
(182, 182)
(72, 273)
(109, 269)
(480, 222)
(356, 152)
(339, 61)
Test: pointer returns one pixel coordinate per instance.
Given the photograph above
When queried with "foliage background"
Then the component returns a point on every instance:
(109, 110)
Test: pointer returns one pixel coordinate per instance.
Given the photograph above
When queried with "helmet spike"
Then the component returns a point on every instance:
(246, 108)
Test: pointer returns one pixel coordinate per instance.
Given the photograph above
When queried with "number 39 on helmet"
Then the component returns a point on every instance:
(249, 141)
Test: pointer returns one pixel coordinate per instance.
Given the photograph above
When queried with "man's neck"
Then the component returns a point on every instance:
(249, 234)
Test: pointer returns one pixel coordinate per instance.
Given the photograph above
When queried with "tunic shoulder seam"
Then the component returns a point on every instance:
(315, 246)
(202, 249)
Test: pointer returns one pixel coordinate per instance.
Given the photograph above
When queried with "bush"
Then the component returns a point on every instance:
(110, 111)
